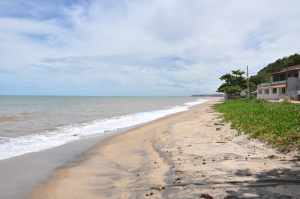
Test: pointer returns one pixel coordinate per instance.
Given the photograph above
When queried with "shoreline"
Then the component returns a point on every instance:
(105, 141)
(15, 146)
(192, 154)
(41, 165)
(38, 167)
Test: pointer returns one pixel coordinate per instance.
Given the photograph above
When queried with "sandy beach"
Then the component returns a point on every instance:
(15, 183)
(187, 155)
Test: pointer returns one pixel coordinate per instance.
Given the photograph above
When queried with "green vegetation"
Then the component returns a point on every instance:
(234, 83)
(264, 74)
(276, 123)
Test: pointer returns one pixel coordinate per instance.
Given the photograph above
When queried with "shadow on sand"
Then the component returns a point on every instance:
(270, 184)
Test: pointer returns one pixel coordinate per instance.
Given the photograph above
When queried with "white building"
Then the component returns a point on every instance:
(285, 84)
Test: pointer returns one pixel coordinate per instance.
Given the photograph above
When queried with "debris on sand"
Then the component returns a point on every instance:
(206, 196)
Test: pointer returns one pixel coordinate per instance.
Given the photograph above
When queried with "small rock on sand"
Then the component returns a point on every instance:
(206, 196)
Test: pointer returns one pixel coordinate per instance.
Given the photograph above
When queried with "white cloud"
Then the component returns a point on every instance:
(145, 47)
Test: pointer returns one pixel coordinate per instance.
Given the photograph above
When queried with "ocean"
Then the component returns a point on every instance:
(35, 123)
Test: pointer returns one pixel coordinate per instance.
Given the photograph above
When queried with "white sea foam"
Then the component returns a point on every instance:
(11, 147)
(194, 103)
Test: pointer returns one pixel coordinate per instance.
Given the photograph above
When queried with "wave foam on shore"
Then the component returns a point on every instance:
(12, 147)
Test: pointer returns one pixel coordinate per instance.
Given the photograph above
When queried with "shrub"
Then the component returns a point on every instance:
(275, 123)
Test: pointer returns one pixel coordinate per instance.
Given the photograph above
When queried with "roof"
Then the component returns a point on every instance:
(291, 68)
(278, 84)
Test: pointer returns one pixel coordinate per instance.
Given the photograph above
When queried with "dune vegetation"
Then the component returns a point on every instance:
(275, 123)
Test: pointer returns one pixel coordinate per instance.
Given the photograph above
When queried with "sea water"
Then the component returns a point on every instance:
(34, 123)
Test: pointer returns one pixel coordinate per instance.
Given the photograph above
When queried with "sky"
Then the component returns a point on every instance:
(139, 47)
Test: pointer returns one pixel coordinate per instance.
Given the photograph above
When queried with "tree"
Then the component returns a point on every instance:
(234, 83)
(264, 75)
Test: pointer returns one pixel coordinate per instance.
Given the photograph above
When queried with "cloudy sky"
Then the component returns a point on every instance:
(138, 47)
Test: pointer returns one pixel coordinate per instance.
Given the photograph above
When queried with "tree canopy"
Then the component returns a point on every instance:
(234, 82)
(264, 74)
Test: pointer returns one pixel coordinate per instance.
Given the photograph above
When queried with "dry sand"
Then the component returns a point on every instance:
(187, 155)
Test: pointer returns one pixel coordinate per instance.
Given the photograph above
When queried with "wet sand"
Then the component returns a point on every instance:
(20, 174)
(187, 155)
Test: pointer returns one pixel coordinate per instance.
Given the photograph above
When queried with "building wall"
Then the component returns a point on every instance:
(293, 87)
(270, 95)
(287, 78)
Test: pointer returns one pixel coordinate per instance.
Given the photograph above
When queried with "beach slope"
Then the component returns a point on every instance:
(187, 155)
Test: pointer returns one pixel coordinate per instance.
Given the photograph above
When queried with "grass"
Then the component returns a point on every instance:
(275, 123)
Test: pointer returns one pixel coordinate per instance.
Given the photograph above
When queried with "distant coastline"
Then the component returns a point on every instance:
(207, 95)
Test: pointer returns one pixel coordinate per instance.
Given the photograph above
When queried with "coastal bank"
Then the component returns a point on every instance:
(192, 154)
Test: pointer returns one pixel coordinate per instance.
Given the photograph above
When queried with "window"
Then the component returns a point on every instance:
(259, 91)
(283, 90)
(267, 91)
(274, 90)
(293, 74)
